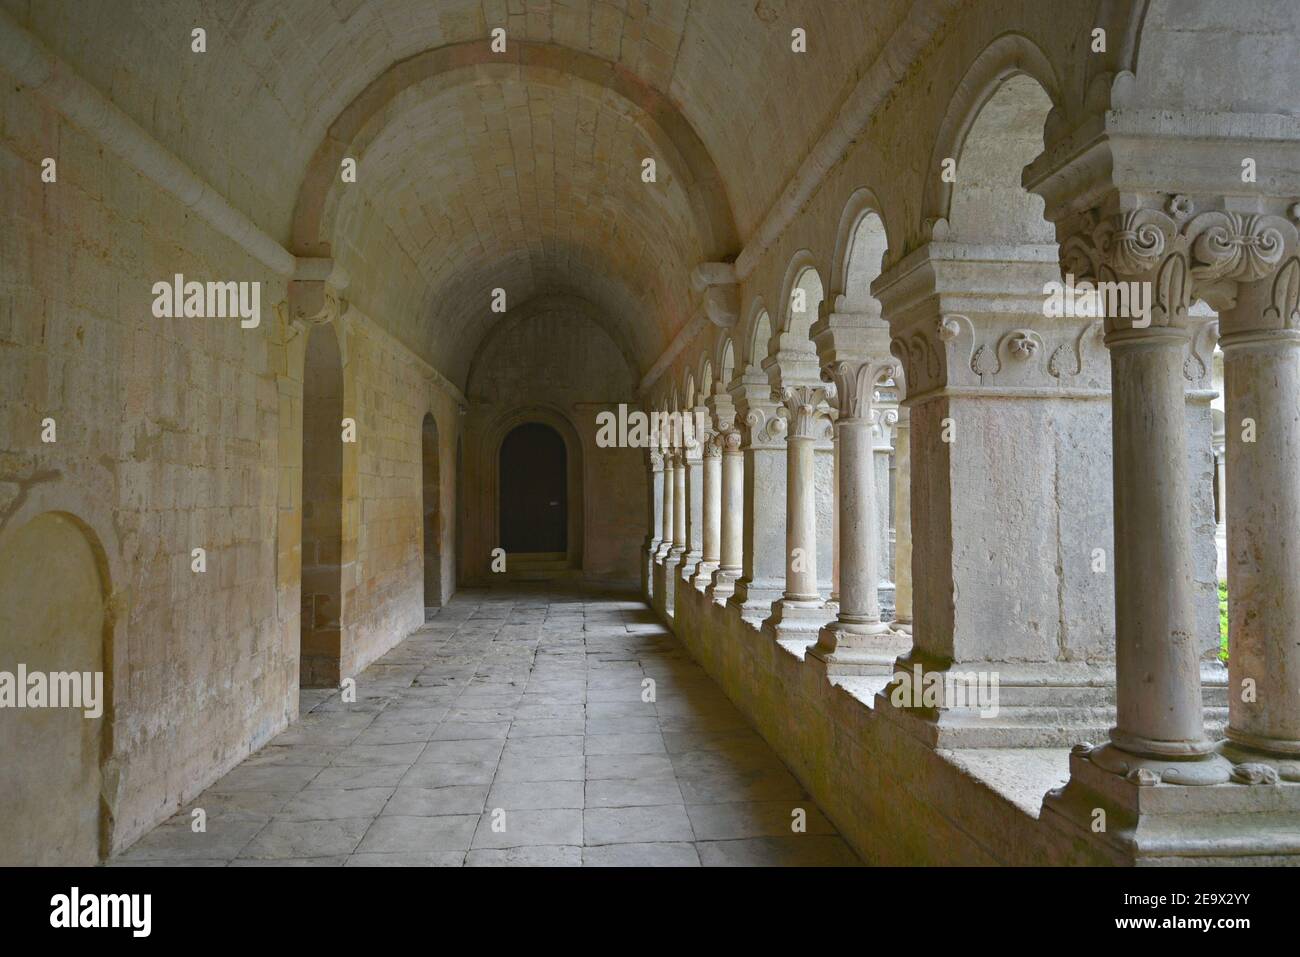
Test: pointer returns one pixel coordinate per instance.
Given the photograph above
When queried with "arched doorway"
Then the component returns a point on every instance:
(432, 509)
(50, 774)
(321, 640)
(534, 492)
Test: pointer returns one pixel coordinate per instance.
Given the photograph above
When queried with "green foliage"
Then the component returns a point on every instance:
(1223, 621)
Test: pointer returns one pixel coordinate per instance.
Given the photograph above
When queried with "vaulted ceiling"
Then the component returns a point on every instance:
(523, 175)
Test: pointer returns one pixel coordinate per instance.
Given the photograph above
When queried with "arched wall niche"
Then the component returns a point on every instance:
(59, 810)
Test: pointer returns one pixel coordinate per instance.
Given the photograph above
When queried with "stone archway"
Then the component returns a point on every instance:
(51, 781)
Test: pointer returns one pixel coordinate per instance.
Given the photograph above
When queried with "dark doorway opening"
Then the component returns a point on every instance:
(534, 491)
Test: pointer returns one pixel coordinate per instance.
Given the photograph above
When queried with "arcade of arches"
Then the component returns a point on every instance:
(938, 557)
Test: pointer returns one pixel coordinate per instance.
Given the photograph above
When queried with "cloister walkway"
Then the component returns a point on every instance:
(512, 729)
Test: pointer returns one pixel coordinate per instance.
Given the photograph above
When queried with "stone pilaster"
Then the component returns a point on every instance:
(1009, 490)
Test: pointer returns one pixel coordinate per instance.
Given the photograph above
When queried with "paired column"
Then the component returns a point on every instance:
(1261, 367)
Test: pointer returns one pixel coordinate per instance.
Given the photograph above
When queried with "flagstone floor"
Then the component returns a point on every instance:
(511, 729)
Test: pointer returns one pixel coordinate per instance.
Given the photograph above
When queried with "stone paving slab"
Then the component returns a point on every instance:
(511, 731)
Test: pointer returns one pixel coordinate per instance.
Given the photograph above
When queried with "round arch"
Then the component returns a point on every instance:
(861, 212)
(443, 67)
(1008, 56)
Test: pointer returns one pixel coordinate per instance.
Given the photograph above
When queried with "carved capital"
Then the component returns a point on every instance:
(656, 460)
(1185, 250)
(804, 407)
(855, 381)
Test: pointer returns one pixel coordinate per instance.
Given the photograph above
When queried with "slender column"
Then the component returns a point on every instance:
(762, 573)
(857, 626)
(903, 523)
(882, 448)
(1261, 367)
(730, 555)
(693, 504)
(800, 611)
(679, 505)
(712, 512)
(666, 513)
(835, 520)
(655, 506)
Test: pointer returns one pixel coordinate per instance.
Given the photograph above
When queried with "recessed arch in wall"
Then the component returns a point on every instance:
(56, 616)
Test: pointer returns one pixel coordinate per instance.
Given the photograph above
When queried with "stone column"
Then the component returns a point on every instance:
(1261, 366)
(731, 551)
(763, 545)
(693, 504)
(1159, 732)
(903, 524)
(712, 512)
(655, 506)
(853, 641)
(882, 448)
(799, 612)
(835, 522)
(679, 505)
(666, 512)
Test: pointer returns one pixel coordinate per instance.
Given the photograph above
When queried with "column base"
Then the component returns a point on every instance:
(753, 600)
(1144, 819)
(689, 566)
(859, 648)
(902, 627)
(723, 585)
(1194, 770)
(1248, 760)
(795, 620)
(989, 704)
(703, 575)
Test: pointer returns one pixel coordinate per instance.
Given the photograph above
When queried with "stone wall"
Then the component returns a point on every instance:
(185, 433)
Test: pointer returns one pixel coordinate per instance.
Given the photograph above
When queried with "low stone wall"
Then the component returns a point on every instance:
(896, 801)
